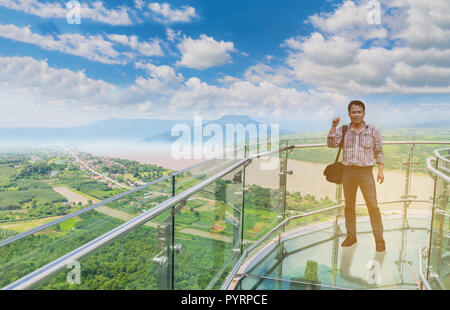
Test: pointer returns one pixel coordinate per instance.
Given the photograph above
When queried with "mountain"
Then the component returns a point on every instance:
(222, 123)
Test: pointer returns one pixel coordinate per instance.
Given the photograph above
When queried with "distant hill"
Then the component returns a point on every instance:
(222, 122)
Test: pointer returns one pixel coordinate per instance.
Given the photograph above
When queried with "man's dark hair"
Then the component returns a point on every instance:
(356, 102)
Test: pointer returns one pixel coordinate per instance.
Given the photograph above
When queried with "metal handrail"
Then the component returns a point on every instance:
(384, 142)
(48, 270)
(421, 274)
(438, 155)
(436, 172)
(438, 280)
(234, 271)
(296, 281)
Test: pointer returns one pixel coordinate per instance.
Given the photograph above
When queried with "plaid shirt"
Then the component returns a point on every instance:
(360, 149)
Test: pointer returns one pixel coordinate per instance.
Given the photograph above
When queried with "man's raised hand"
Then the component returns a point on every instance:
(335, 122)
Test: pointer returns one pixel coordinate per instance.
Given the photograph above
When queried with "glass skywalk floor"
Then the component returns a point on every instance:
(308, 259)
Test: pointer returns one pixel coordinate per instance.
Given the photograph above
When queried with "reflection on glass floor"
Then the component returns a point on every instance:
(307, 261)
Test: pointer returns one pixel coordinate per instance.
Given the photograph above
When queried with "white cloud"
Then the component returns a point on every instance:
(343, 57)
(335, 51)
(34, 94)
(161, 80)
(150, 48)
(204, 52)
(173, 35)
(227, 79)
(139, 4)
(349, 20)
(428, 24)
(92, 47)
(165, 14)
(261, 72)
(95, 11)
(423, 76)
(244, 97)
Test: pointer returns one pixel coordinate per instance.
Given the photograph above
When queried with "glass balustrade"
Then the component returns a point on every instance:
(136, 261)
(208, 233)
(439, 252)
(270, 221)
(264, 195)
(31, 252)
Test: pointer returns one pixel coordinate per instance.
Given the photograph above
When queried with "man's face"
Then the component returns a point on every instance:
(356, 114)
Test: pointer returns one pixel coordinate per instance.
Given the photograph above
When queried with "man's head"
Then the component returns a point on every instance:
(356, 111)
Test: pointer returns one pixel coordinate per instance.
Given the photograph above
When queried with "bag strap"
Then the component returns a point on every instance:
(344, 131)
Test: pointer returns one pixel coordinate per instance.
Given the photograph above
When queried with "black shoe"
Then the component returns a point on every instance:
(349, 241)
(381, 246)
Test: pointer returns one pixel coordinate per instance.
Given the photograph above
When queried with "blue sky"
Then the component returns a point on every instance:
(276, 60)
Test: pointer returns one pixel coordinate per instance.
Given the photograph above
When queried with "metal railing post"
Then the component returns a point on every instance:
(406, 204)
(171, 269)
(336, 234)
(244, 190)
(282, 189)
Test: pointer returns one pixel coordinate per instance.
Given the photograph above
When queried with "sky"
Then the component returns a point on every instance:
(71, 63)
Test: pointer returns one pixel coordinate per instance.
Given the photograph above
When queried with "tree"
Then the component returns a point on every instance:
(311, 271)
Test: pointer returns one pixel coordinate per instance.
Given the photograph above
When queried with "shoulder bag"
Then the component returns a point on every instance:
(333, 172)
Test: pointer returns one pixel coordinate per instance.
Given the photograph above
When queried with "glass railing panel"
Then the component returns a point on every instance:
(202, 171)
(306, 258)
(263, 195)
(136, 203)
(26, 255)
(299, 235)
(314, 256)
(439, 261)
(307, 188)
(138, 260)
(310, 138)
(443, 162)
(29, 253)
(208, 233)
(256, 257)
(422, 210)
(320, 220)
(309, 163)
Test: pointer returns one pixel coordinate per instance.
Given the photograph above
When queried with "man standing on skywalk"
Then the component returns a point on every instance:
(363, 145)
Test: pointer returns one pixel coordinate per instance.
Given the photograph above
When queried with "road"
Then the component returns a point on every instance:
(83, 163)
